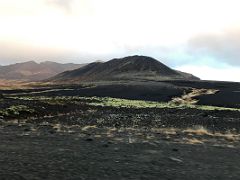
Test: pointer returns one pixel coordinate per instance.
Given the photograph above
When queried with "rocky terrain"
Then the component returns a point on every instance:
(67, 132)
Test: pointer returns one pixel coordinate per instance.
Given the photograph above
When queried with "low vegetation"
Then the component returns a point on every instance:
(16, 110)
(117, 102)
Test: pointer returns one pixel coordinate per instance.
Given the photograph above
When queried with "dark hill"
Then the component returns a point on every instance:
(128, 68)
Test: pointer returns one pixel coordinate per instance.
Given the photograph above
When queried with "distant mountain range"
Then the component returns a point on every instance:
(128, 68)
(32, 71)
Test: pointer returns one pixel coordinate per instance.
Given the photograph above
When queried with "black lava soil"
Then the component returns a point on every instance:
(80, 141)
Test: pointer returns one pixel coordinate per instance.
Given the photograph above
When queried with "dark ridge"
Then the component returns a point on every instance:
(127, 68)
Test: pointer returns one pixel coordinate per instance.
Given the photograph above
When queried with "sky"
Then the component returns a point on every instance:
(201, 37)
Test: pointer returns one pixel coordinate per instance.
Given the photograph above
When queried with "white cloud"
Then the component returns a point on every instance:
(65, 5)
(224, 47)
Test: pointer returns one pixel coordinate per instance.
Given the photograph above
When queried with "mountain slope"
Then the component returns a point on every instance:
(32, 71)
(128, 68)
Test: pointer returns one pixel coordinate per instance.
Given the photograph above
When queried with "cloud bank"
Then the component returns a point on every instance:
(65, 5)
(178, 33)
(222, 47)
